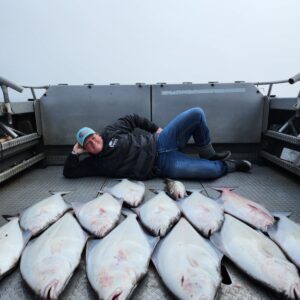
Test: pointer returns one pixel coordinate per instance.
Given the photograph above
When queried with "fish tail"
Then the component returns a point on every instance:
(62, 193)
(10, 217)
(50, 291)
(295, 291)
(223, 188)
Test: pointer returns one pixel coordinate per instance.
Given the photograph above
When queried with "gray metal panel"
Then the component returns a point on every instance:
(65, 109)
(234, 111)
(19, 107)
(283, 103)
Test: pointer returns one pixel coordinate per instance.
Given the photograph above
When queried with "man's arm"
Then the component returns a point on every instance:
(130, 122)
(74, 167)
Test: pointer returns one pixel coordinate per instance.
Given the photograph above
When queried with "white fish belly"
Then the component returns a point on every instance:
(286, 234)
(49, 261)
(159, 214)
(132, 193)
(204, 213)
(40, 215)
(247, 210)
(196, 273)
(117, 262)
(100, 215)
(11, 245)
(258, 256)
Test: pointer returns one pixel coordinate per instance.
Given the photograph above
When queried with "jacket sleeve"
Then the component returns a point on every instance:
(74, 167)
(130, 122)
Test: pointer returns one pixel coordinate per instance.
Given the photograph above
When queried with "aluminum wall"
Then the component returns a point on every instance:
(234, 111)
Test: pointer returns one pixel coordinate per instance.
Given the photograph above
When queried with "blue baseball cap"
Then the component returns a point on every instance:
(82, 134)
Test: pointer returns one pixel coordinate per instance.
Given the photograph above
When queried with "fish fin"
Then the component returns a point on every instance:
(62, 193)
(127, 212)
(218, 252)
(140, 183)
(100, 193)
(220, 201)
(27, 234)
(153, 240)
(281, 214)
(216, 239)
(90, 245)
(77, 206)
(105, 189)
(155, 253)
(223, 188)
(179, 203)
(10, 217)
(190, 191)
(136, 210)
(155, 191)
(226, 278)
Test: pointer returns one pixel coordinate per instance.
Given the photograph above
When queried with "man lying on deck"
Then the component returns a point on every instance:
(117, 152)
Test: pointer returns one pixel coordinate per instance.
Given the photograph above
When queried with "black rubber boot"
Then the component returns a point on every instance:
(208, 152)
(221, 155)
(238, 165)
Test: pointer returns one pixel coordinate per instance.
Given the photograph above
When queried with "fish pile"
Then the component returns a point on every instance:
(186, 251)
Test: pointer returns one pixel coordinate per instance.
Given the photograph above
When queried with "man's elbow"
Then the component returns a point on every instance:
(68, 173)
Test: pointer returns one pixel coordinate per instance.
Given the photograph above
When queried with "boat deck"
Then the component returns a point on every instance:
(274, 188)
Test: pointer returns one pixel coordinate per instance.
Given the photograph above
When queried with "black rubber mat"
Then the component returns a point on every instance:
(270, 187)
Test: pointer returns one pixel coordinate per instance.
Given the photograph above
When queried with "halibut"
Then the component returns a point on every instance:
(257, 256)
(48, 262)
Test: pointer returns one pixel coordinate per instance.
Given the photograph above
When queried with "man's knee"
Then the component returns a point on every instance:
(196, 112)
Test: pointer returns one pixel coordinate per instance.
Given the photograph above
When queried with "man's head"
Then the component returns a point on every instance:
(88, 139)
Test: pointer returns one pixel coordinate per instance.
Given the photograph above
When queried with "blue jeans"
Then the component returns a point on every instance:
(171, 162)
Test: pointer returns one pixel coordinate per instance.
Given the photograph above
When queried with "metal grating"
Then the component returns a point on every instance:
(21, 167)
(276, 190)
(283, 137)
(282, 163)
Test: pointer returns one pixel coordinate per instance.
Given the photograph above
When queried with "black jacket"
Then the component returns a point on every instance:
(124, 154)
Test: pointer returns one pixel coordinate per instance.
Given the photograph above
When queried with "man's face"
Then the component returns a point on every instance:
(94, 144)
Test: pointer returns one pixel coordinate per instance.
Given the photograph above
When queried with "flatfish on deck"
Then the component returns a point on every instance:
(40, 215)
(48, 262)
(132, 193)
(159, 214)
(258, 256)
(116, 263)
(286, 234)
(188, 264)
(205, 214)
(100, 215)
(246, 210)
(12, 242)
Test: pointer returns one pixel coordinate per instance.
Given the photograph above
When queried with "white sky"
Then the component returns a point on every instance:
(129, 41)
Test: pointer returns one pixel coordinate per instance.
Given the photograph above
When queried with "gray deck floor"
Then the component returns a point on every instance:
(274, 189)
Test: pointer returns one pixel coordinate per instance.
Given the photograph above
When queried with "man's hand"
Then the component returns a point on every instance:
(159, 130)
(77, 149)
